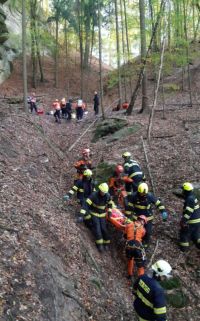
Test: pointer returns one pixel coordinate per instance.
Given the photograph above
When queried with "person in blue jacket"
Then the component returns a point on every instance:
(190, 221)
(150, 302)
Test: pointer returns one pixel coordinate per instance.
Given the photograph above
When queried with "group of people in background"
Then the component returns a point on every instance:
(64, 108)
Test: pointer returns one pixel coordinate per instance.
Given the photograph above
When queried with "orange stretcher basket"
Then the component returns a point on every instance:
(116, 218)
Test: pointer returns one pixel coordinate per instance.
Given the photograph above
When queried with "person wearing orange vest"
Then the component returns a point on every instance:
(56, 106)
(117, 185)
(83, 163)
(135, 252)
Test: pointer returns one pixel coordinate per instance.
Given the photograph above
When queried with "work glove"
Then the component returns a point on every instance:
(164, 216)
(66, 197)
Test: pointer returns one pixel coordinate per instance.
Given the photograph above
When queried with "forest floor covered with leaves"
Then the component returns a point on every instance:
(50, 267)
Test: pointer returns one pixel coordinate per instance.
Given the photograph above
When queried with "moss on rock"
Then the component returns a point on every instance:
(103, 171)
(107, 127)
(170, 284)
(124, 132)
(177, 299)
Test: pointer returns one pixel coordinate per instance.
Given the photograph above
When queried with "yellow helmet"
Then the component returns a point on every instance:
(143, 188)
(104, 188)
(187, 187)
(87, 173)
(126, 154)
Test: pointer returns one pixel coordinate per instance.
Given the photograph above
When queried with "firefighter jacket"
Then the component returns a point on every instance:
(191, 210)
(83, 164)
(97, 204)
(83, 188)
(142, 205)
(133, 170)
(117, 182)
(150, 303)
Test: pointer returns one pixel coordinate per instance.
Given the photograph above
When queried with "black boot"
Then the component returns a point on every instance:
(106, 247)
(100, 247)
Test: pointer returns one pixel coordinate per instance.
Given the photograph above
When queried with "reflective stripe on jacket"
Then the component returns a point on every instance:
(133, 170)
(191, 209)
(142, 205)
(150, 302)
(83, 188)
(97, 204)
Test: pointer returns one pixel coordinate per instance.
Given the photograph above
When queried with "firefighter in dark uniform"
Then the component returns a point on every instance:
(150, 302)
(133, 171)
(140, 203)
(190, 222)
(96, 206)
(83, 188)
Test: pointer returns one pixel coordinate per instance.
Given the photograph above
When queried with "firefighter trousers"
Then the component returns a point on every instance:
(188, 234)
(100, 231)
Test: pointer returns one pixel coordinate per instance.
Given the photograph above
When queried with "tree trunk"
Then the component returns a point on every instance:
(127, 40)
(92, 42)
(80, 42)
(143, 55)
(33, 44)
(37, 42)
(24, 55)
(135, 93)
(187, 51)
(100, 61)
(56, 57)
(126, 28)
(157, 87)
(66, 49)
(118, 54)
(87, 41)
(124, 53)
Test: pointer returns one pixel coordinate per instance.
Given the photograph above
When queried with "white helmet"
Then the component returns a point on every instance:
(162, 267)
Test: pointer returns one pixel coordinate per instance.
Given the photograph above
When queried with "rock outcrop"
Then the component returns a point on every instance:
(10, 28)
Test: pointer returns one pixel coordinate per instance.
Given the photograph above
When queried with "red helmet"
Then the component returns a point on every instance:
(119, 169)
(143, 217)
(86, 152)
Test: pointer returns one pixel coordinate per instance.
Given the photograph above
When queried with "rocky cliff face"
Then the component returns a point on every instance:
(10, 28)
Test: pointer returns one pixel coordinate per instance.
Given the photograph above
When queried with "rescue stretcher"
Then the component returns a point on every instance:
(117, 218)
